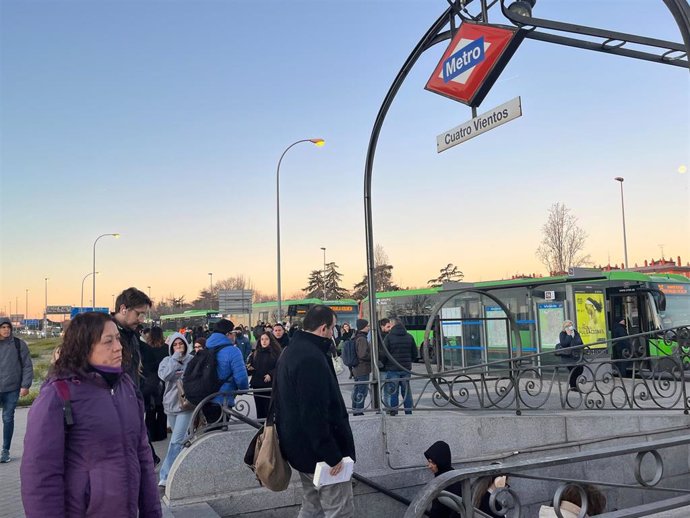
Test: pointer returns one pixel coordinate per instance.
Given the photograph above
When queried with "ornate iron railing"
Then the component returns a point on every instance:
(506, 501)
(635, 381)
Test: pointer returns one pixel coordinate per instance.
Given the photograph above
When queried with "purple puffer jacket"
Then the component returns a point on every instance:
(101, 466)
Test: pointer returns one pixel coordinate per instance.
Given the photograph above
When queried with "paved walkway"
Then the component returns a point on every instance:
(10, 497)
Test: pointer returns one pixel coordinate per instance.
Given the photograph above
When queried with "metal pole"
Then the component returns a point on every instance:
(625, 240)
(323, 278)
(26, 310)
(210, 291)
(45, 312)
(149, 311)
(81, 309)
(317, 142)
(426, 41)
(93, 269)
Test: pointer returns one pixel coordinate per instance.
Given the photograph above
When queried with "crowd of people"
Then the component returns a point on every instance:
(114, 389)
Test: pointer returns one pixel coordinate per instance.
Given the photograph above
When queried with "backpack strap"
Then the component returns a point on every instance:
(62, 389)
(18, 346)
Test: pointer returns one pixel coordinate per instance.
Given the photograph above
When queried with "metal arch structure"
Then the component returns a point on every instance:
(614, 43)
(427, 335)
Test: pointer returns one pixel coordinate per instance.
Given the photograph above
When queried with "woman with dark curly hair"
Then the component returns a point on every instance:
(86, 452)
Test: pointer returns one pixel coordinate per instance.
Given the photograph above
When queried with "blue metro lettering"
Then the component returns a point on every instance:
(464, 59)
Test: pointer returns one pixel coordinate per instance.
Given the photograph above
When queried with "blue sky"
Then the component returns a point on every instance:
(164, 121)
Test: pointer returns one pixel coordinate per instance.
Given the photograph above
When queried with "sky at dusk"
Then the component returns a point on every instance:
(164, 121)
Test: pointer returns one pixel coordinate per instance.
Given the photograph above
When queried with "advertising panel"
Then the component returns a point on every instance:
(550, 316)
(590, 311)
(496, 330)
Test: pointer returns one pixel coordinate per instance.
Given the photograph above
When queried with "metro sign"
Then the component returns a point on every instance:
(475, 58)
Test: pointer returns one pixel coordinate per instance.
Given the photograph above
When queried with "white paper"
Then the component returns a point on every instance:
(322, 473)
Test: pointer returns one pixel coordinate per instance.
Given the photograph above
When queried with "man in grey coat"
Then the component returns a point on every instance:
(16, 376)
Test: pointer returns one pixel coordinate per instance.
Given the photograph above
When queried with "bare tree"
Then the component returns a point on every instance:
(449, 273)
(238, 282)
(380, 255)
(563, 241)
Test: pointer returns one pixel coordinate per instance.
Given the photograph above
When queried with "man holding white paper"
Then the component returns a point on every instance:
(311, 416)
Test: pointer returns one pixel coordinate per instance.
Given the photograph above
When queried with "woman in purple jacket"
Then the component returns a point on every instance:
(86, 453)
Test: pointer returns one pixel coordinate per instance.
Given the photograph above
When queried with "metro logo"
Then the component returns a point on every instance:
(464, 59)
(473, 61)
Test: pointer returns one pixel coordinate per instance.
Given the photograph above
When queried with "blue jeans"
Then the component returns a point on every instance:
(359, 393)
(8, 402)
(391, 388)
(179, 424)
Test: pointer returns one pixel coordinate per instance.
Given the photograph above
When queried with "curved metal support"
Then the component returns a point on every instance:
(513, 329)
(679, 9)
(419, 49)
(681, 13)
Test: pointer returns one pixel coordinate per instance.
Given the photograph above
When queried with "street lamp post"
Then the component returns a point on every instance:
(93, 271)
(81, 308)
(625, 241)
(45, 312)
(317, 142)
(26, 309)
(323, 275)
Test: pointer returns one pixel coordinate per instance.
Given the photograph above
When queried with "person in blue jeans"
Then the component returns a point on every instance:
(403, 349)
(16, 376)
(170, 370)
(361, 371)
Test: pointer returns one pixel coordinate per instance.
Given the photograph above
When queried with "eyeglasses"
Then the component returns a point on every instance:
(197, 347)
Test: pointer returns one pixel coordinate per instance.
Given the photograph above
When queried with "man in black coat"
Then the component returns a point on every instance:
(403, 349)
(311, 416)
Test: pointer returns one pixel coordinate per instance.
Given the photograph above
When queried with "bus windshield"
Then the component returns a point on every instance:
(677, 311)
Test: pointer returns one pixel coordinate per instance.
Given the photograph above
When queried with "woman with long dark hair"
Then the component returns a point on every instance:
(261, 365)
(86, 453)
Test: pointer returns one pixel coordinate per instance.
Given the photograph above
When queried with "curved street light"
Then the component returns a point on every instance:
(319, 142)
(93, 271)
(81, 308)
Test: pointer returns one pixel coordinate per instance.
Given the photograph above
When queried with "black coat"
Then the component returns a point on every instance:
(264, 361)
(402, 347)
(152, 386)
(311, 416)
(564, 341)
(284, 340)
(131, 344)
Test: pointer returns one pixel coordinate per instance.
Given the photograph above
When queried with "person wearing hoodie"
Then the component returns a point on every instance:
(170, 370)
(439, 462)
(230, 368)
(571, 502)
(16, 376)
(86, 452)
(403, 349)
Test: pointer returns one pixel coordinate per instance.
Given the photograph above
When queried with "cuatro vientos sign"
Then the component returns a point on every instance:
(475, 58)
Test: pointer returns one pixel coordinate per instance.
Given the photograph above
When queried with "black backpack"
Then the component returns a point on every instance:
(201, 375)
(349, 356)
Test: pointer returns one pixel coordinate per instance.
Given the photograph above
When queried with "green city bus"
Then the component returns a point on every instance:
(191, 318)
(473, 329)
(346, 310)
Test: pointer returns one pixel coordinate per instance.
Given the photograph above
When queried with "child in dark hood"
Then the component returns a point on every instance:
(439, 462)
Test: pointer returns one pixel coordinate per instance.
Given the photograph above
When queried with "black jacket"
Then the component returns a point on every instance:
(151, 385)
(284, 340)
(264, 361)
(564, 341)
(439, 453)
(311, 416)
(402, 347)
(131, 343)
